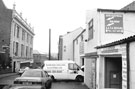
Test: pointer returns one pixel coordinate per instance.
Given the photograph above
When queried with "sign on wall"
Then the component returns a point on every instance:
(113, 23)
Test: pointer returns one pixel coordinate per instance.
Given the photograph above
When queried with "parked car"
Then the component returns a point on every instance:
(33, 79)
(21, 70)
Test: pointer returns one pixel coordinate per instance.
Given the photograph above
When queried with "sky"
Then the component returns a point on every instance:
(61, 16)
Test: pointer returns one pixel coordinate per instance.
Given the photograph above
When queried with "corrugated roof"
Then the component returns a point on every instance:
(121, 41)
(114, 10)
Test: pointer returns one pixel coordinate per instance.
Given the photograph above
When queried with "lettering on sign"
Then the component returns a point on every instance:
(113, 23)
(110, 50)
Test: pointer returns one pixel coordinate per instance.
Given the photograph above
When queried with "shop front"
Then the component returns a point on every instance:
(112, 67)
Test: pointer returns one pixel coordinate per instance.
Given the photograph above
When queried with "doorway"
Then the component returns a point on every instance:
(113, 72)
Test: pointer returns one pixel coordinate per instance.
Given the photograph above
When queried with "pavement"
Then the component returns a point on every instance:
(6, 75)
(84, 86)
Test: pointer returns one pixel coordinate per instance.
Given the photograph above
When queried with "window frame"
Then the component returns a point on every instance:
(90, 29)
(18, 31)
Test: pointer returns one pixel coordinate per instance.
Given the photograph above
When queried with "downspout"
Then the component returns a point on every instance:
(128, 66)
(73, 49)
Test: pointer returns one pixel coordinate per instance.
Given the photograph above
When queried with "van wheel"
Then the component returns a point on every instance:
(79, 78)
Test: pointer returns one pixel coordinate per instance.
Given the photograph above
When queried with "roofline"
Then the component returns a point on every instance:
(128, 5)
(23, 22)
(122, 41)
(72, 31)
(114, 10)
(80, 34)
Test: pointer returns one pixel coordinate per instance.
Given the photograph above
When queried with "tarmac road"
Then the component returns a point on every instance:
(68, 85)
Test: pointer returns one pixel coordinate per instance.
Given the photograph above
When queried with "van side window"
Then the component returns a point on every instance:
(72, 66)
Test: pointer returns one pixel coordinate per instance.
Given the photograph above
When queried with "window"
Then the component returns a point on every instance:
(72, 66)
(23, 34)
(14, 47)
(27, 37)
(90, 30)
(15, 26)
(26, 51)
(16, 52)
(22, 50)
(17, 31)
(30, 52)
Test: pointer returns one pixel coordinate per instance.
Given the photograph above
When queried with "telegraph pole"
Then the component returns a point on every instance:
(49, 44)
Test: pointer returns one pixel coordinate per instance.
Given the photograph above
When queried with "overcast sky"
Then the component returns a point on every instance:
(61, 16)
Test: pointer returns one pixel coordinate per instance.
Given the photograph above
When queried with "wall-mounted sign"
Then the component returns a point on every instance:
(110, 50)
(113, 23)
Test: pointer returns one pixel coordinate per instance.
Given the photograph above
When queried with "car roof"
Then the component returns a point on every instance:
(30, 71)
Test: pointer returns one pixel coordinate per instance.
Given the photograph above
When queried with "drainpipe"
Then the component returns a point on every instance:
(128, 66)
(73, 50)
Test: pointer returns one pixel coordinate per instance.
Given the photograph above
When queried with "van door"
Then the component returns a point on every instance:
(72, 70)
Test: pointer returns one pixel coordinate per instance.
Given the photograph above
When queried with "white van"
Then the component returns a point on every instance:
(64, 70)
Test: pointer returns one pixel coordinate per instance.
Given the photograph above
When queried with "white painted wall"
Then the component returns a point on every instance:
(128, 25)
(76, 51)
(77, 54)
(87, 72)
(68, 44)
(101, 38)
(132, 65)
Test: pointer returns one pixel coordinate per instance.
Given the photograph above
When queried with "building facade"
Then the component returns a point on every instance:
(39, 58)
(118, 63)
(36, 59)
(105, 26)
(60, 48)
(78, 48)
(66, 44)
(21, 41)
(16, 37)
